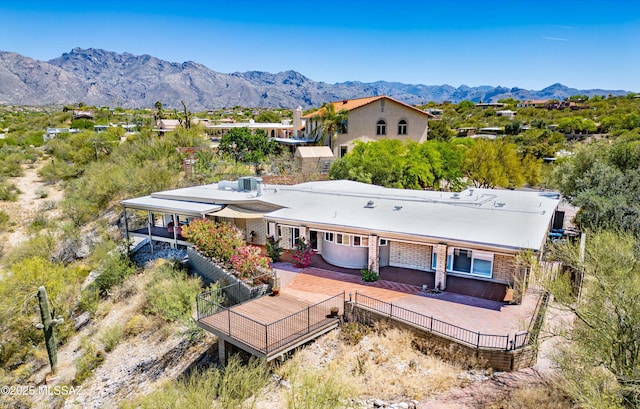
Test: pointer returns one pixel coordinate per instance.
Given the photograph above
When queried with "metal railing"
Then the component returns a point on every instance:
(474, 339)
(267, 338)
(211, 302)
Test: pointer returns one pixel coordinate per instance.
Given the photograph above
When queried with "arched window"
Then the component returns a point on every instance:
(402, 127)
(381, 128)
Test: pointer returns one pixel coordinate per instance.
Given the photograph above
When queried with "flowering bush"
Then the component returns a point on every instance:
(303, 254)
(249, 262)
(218, 241)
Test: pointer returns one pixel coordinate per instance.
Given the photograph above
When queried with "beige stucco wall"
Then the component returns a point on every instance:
(362, 124)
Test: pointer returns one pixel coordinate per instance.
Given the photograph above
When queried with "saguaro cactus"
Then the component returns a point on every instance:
(48, 322)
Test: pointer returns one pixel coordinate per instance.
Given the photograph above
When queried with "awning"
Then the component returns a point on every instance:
(237, 213)
(171, 206)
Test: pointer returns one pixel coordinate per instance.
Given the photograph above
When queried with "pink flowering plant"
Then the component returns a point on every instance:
(303, 253)
(248, 262)
(218, 241)
(224, 244)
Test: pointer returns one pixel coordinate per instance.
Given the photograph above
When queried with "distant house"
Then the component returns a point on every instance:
(282, 129)
(371, 119)
(474, 235)
(507, 113)
(166, 125)
(313, 159)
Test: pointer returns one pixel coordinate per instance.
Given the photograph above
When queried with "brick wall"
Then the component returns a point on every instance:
(410, 255)
(504, 267)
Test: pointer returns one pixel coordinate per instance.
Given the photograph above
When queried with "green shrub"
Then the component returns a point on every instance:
(274, 250)
(116, 266)
(9, 192)
(171, 293)
(235, 386)
(369, 276)
(136, 325)
(89, 300)
(111, 336)
(4, 220)
(90, 359)
(316, 389)
(19, 308)
(353, 332)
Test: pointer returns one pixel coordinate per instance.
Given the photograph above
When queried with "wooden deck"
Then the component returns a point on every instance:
(270, 326)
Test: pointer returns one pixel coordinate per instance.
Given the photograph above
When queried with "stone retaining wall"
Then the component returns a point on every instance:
(426, 341)
(213, 273)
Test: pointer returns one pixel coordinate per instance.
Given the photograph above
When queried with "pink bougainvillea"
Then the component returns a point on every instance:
(218, 241)
(248, 262)
(303, 254)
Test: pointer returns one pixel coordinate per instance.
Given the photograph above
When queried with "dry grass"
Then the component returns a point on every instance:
(539, 396)
(384, 364)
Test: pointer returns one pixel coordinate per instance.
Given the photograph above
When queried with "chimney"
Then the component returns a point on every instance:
(297, 115)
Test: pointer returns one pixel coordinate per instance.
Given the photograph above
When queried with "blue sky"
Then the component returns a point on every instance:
(529, 44)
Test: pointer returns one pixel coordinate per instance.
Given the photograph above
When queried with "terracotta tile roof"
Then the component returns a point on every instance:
(351, 104)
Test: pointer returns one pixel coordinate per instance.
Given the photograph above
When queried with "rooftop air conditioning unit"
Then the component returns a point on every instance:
(248, 184)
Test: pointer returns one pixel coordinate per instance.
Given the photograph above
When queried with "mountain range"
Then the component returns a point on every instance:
(99, 77)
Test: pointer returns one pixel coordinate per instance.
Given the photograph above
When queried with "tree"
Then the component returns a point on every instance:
(604, 181)
(464, 106)
(513, 127)
(331, 122)
(158, 114)
(601, 361)
(439, 131)
(246, 146)
(489, 164)
(268, 116)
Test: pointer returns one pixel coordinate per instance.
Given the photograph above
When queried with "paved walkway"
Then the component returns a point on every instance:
(475, 314)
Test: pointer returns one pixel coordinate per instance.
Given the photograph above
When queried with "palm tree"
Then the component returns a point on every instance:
(331, 122)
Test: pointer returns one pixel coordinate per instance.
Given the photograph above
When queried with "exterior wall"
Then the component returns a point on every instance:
(504, 268)
(285, 237)
(410, 255)
(441, 266)
(362, 124)
(345, 256)
(259, 227)
(374, 258)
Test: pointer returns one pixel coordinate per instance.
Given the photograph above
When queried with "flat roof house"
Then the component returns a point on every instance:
(475, 234)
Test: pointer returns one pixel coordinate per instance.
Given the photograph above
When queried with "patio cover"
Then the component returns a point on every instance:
(171, 206)
(237, 213)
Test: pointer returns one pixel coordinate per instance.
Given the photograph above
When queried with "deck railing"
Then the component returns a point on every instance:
(211, 302)
(474, 339)
(267, 338)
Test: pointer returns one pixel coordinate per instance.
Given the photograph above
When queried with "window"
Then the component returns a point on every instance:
(402, 127)
(383, 242)
(328, 237)
(359, 241)
(381, 128)
(382, 105)
(343, 127)
(342, 239)
(295, 235)
(343, 151)
(478, 263)
(434, 260)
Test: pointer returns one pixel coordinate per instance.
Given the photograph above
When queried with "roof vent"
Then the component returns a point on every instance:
(344, 101)
(370, 205)
(498, 204)
(396, 208)
(455, 196)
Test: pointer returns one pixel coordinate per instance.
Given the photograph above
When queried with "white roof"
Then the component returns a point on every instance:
(313, 152)
(174, 206)
(497, 218)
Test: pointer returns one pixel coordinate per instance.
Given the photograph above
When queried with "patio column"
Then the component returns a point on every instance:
(374, 264)
(149, 224)
(441, 266)
(175, 230)
(126, 225)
